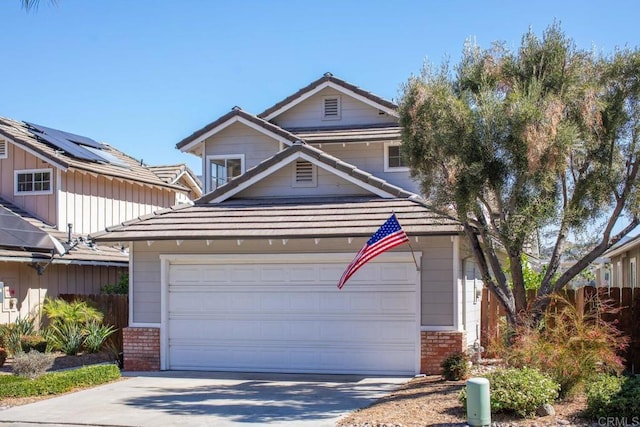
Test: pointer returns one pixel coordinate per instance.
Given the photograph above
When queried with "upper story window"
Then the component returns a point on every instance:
(33, 181)
(223, 169)
(304, 174)
(3, 149)
(331, 108)
(393, 159)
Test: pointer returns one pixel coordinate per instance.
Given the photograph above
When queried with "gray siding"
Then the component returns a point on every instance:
(370, 158)
(437, 276)
(280, 184)
(309, 112)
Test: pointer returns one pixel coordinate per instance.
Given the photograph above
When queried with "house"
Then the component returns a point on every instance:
(245, 279)
(180, 174)
(56, 188)
(619, 267)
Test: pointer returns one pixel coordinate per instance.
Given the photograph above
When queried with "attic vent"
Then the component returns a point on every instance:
(304, 174)
(331, 107)
(3, 149)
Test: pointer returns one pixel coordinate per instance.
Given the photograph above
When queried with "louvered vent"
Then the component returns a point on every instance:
(305, 174)
(3, 149)
(332, 108)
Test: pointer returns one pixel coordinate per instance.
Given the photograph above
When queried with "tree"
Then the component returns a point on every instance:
(33, 4)
(511, 143)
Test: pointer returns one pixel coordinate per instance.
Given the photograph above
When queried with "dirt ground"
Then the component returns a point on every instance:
(432, 401)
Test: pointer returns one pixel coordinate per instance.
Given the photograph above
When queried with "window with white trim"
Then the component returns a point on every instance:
(223, 169)
(633, 274)
(331, 108)
(33, 181)
(304, 174)
(3, 149)
(393, 158)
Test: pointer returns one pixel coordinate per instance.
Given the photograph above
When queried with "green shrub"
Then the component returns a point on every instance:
(95, 335)
(568, 346)
(612, 396)
(32, 364)
(66, 337)
(456, 367)
(120, 288)
(60, 311)
(3, 356)
(57, 382)
(33, 342)
(12, 333)
(520, 391)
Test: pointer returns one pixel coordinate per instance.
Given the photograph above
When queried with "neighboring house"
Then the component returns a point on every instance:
(246, 279)
(182, 175)
(55, 189)
(619, 267)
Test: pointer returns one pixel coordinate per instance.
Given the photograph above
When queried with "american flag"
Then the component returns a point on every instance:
(388, 236)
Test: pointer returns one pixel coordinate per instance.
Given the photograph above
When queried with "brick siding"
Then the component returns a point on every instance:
(141, 348)
(437, 346)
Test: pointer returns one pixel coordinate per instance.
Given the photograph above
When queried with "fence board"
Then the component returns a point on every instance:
(114, 307)
(625, 315)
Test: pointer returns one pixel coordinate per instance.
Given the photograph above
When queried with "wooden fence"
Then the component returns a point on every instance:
(625, 301)
(114, 307)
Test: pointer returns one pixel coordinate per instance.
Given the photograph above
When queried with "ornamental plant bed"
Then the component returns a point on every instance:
(432, 401)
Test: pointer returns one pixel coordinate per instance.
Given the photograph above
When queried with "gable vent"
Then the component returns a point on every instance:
(331, 108)
(3, 149)
(304, 174)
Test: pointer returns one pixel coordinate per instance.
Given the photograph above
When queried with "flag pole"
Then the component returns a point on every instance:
(413, 255)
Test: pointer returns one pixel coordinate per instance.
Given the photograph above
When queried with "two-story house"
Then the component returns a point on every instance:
(246, 279)
(56, 188)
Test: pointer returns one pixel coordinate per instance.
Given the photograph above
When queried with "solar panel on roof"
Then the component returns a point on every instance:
(68, 147)
(108, 157)
(78, 139)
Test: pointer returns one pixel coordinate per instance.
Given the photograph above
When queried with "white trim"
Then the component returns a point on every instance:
(194, 184)
(619, 275)
(209, 158)
(418, 259)
(232, 120)
(130, 269)
(458, 289)
(288, 160)
(32, 172)
(166, 260)
(449, 328)
(388, 168)
(61, 203)
(337, 87)
(4, 149)
(144, 325)
(633, 272)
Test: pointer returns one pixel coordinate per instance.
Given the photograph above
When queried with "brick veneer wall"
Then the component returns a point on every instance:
(141, 348)
(437, 346)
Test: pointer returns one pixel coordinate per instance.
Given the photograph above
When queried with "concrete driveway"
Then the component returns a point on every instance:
(208, 399)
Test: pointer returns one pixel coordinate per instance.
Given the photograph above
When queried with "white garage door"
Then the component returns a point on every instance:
(254, 313)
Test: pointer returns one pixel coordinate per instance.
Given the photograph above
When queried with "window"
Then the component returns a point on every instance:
(632, 273)
(223, 169)
(393, 159)
(304, 174)
(3, 149)
(34, 181)
(331, 108)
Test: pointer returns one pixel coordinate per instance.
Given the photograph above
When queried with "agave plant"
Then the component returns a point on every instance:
(67, 337)
(95, 336)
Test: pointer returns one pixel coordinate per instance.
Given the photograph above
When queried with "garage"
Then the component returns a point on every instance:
(284, 313)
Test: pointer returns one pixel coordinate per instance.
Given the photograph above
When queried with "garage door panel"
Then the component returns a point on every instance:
(292, 318)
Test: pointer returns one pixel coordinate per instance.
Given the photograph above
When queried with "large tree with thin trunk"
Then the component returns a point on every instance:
(515, 142)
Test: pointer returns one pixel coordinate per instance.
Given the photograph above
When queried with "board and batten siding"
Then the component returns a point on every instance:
(31, 289)
(309, 113)
(91, 203)
(280, 184)
(625, 260)
(370, 158)
(437, 283)
(42, 206)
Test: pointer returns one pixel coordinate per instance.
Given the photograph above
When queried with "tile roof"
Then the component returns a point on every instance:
(80, 251)
(171, 174)
(319, 155)
(345, 135)
(287, 218)
(328, 77)
(237, 112)
(19, 133)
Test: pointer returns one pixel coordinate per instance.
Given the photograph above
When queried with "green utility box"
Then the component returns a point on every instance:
(478, 402)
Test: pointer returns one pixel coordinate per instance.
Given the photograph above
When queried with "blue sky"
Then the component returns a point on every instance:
(141, 75)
